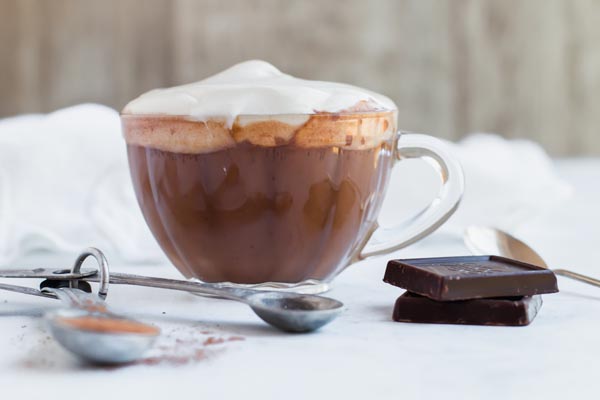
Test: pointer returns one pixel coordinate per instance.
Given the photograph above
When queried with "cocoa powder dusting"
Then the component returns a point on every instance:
(93, 307)
(181, 346)
(213, 340)
(108, 325)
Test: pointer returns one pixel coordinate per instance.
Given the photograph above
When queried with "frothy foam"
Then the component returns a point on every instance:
(256, 103)
(255, 88)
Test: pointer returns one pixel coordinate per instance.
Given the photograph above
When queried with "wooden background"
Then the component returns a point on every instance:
(522, 68)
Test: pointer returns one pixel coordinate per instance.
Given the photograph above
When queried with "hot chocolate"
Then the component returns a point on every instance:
(268, 207)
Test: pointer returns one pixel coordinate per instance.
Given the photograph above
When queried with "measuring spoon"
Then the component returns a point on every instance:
(86, 328)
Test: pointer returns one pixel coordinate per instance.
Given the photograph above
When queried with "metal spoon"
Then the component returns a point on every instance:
(86, 328)
(288, 311)
(89, 330)
(486, 240)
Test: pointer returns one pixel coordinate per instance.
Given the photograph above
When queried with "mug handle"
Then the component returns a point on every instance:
(413, 145)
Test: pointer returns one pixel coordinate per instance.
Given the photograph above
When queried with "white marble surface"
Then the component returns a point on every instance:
(362, 355)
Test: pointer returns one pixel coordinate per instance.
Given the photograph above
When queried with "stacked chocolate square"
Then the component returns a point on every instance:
(475, 290)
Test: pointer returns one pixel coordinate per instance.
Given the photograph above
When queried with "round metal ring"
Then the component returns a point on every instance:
(103, 271)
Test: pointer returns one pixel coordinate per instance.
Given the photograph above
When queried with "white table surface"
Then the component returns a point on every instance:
(364, 354)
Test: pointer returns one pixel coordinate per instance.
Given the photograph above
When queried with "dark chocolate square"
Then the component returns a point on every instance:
(501, 311)
(472, 277)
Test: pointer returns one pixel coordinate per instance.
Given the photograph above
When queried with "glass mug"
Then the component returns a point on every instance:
(265, 205)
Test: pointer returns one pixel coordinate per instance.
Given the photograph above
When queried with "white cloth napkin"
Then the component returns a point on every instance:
(508, 183)
(64, 185)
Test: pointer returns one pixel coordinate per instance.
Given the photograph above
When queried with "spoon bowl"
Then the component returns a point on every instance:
(88, 329)
(95, 344)
(481, 240)
(294, 313)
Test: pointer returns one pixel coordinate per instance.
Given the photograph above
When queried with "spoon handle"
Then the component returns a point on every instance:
(175, 284)
(26, 290)
(577, 277)
(79, 299)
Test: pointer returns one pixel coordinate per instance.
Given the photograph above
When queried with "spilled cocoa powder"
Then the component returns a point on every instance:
(218, 340)
(181, 346)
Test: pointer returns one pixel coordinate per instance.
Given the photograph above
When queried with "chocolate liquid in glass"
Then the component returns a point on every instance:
(250, 214)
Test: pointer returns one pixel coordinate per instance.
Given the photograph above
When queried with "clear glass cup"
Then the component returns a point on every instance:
(282, 202)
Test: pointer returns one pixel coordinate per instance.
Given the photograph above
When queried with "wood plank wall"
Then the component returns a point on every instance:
(522, 68)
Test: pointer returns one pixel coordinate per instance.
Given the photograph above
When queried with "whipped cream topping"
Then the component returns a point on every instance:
(256, 88)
